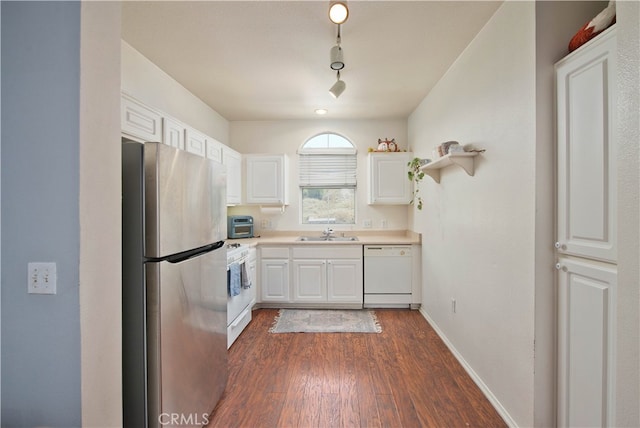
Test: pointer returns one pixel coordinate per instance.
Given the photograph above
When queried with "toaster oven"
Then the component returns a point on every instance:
(239, 226)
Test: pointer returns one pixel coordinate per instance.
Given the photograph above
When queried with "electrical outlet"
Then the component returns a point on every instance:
(367, 224)
(453, 305)
(265, 224)
(41, 278)
(384, 224)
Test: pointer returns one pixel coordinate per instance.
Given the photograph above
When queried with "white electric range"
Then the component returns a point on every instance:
(241, 288)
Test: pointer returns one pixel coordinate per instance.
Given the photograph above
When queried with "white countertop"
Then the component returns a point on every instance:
(365, 237)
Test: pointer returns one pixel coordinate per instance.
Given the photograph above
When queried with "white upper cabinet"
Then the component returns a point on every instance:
(173, 133)
(233, 162)
(142, 123)
(196, 142)
(139, 121)
(267, 179)
(388, 180)
(213, 149)
(586, 108)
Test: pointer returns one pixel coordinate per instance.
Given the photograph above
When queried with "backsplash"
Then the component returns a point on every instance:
(368, 218)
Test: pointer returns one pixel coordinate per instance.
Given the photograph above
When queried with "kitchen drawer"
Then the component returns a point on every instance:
(274, 252)
(326, 252)
(234, 329)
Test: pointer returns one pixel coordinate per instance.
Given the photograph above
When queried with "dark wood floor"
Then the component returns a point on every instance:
(402, 377)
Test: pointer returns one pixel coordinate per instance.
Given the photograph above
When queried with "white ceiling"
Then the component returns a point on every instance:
(269, 60)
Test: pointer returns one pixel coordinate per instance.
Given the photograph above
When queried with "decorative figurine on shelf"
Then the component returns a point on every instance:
(387, 145)
(597, 25)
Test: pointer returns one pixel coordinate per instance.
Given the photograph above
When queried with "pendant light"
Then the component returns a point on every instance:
(338, 14)
(338, 87)
(337, 55)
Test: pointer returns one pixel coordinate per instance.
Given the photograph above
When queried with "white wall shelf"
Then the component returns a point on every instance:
(464, 160)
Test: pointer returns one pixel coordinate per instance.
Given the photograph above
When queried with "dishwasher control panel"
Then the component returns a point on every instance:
(387, 251)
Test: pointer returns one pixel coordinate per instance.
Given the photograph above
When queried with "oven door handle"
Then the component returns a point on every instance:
(240, 262)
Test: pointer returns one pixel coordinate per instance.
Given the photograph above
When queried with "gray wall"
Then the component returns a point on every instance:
(40, 143)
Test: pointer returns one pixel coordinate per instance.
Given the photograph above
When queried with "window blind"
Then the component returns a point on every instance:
(327, 170)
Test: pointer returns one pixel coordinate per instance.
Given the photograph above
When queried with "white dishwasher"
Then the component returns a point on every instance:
(387, 276)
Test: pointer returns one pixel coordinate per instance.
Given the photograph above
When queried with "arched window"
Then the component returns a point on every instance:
(327, 166)
(327, 141)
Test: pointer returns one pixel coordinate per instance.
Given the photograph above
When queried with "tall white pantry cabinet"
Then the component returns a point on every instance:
(586, 233)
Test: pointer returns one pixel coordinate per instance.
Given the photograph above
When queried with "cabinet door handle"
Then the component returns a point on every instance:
(561, 267)
(560, 246)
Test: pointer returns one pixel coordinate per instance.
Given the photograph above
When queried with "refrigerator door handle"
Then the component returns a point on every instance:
(185, 255)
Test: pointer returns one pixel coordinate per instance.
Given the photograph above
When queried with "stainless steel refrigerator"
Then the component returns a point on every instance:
(174, 292)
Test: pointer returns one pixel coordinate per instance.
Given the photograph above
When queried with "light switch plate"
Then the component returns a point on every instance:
(41, 278)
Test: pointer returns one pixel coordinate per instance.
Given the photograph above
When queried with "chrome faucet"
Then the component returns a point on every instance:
(327, 232)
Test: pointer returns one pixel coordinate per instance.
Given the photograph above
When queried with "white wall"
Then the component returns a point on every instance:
(143, 80)
(288, 136)
(0, 232)
(100, 215)
(485, 99)
(628, 293)
(479, 232)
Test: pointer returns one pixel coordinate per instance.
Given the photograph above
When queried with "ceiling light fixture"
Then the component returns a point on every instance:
(338, 12)
(321, 111)
(338, 87)
(337, 58)
(336, 54)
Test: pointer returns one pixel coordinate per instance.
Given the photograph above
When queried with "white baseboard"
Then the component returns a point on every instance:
(483, 387)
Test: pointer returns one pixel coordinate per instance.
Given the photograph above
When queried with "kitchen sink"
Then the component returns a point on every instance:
(328, 238)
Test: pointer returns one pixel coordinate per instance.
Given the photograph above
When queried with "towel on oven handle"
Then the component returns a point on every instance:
(245, 279)
(234, 279)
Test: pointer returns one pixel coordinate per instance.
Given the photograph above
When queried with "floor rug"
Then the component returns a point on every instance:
(325, 321)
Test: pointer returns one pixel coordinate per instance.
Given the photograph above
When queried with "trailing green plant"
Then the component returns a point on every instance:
(416, 175)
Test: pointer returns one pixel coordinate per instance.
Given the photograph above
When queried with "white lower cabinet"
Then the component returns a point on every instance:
(344, 281)
(327, 274)
(586, 344)
(274, 274)
(253, 266)
(310, 280)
